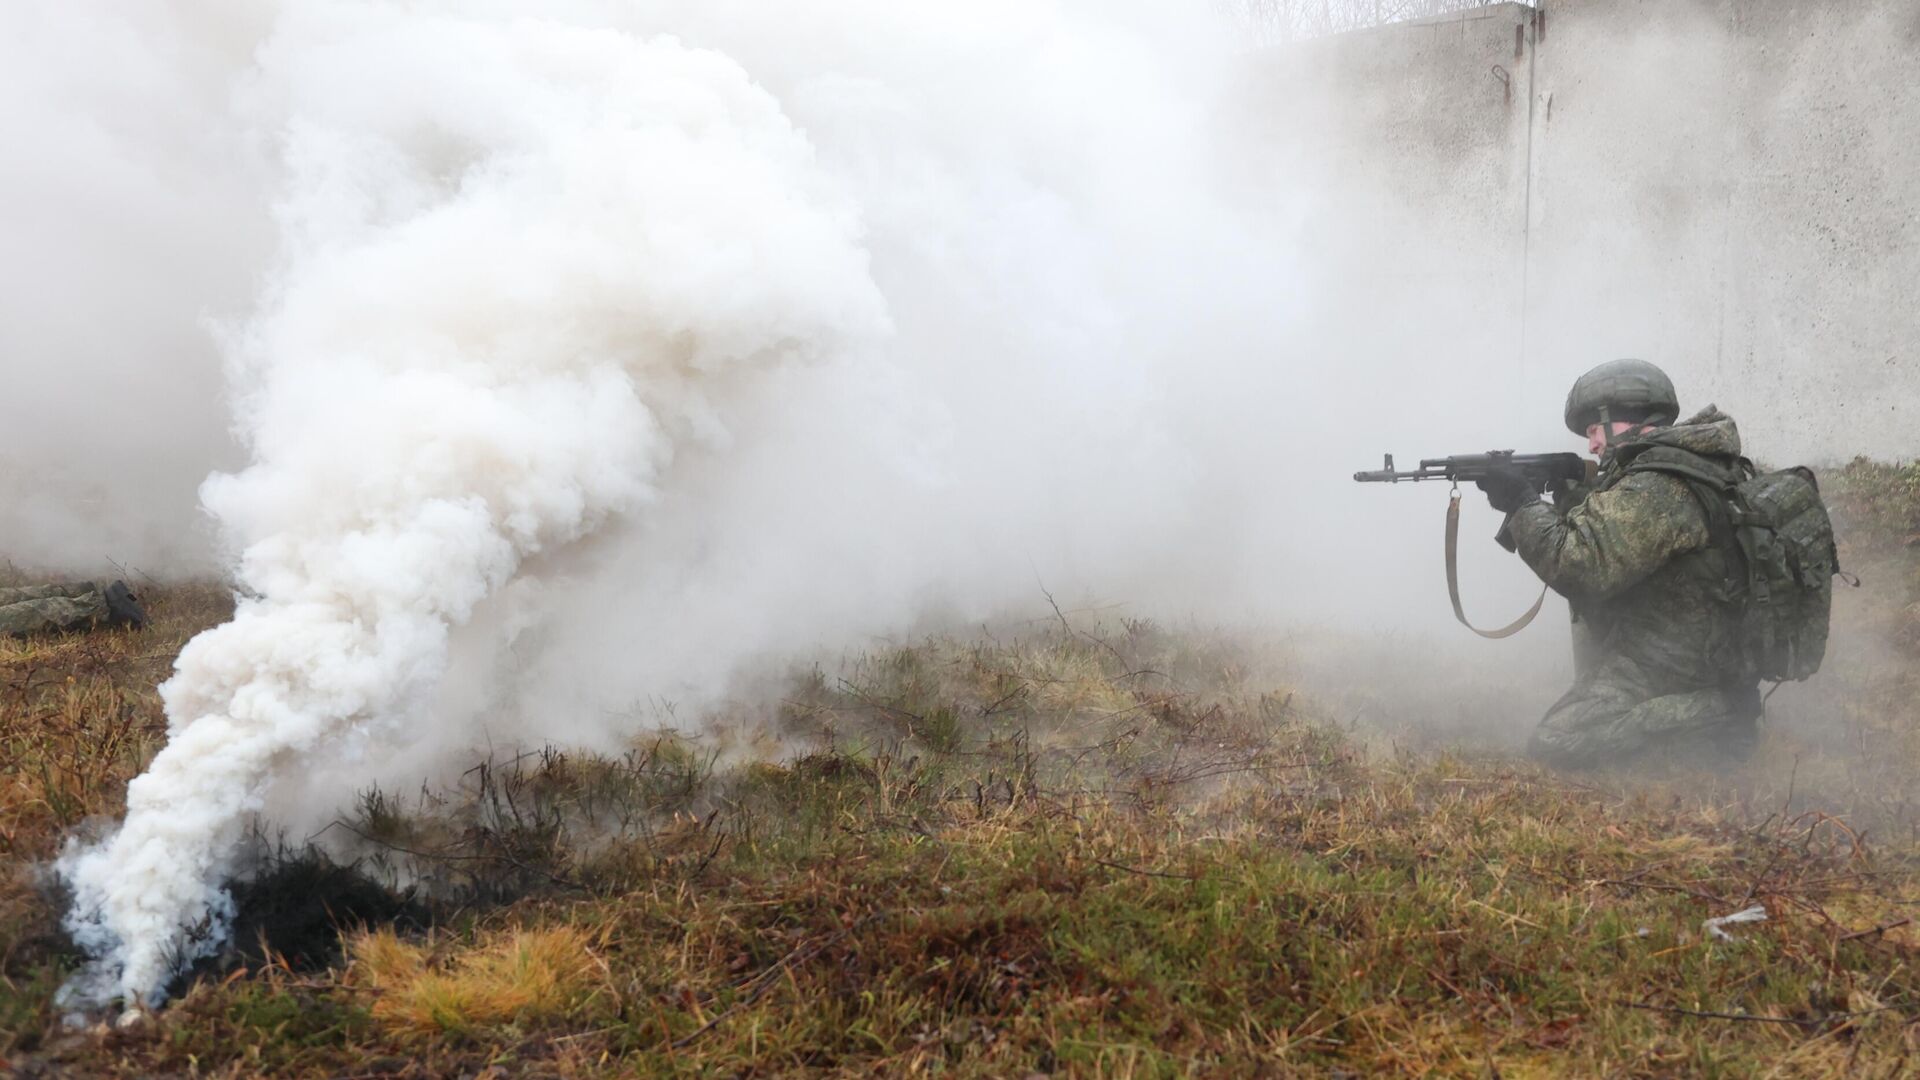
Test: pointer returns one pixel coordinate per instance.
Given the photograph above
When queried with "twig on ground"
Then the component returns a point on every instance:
(1658, 886)
(1881, 929)
(1071, 632)
(455, 856)
(1760, 878)
(1805, 1022)
(757, 986)
(1146, 873)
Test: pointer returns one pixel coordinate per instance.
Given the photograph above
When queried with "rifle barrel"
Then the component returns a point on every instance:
(1465, 468)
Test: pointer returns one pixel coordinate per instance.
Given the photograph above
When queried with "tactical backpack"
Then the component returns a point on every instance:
(1781, 560)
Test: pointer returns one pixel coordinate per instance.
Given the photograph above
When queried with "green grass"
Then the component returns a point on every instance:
(1073, 850)
(1409, 920)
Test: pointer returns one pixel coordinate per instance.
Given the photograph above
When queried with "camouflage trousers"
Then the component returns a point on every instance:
(52, 609)
(1622, 708)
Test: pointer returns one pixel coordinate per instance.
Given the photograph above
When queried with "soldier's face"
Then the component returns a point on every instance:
(1597, 434)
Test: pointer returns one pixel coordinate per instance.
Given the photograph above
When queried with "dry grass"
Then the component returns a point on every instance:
(79, 716)
(512, 979)
(1074, 850)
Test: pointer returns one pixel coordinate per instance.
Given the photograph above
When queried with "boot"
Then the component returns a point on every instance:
(124, 607)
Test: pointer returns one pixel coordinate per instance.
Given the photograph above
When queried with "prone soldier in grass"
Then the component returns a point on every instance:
(64, 608)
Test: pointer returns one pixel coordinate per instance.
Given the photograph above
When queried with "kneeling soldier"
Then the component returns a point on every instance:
(1656, 648)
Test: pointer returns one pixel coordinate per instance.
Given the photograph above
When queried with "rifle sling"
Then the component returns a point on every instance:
(1453, 581)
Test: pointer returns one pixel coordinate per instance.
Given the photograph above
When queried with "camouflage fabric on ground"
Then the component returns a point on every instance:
(1655, 614)
(52, 609)
(1622, 709)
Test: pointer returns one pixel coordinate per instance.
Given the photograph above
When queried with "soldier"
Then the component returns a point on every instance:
(1656, 651)
(81, 605)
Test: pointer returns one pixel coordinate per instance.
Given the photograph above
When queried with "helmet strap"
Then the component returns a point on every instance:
(1606, 427)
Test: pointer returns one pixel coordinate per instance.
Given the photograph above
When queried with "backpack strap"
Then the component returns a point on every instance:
(1715, 488)
(1688, 466)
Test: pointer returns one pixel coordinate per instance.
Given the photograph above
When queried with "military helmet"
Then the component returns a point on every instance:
(1627, 390)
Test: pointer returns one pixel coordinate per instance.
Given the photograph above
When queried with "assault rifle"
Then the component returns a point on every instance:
(1543, 471)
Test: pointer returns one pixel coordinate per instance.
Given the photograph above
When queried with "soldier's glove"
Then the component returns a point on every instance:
(1507, 488)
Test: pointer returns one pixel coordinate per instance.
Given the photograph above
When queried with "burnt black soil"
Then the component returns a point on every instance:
(292, 911)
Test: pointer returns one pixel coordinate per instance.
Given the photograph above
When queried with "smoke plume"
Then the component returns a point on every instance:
(518, 257)
(563, 366)
(818, 337)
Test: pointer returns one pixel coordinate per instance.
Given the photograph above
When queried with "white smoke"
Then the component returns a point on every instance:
(589, 366)
(130, 214)
(599, 366)
(519, 255)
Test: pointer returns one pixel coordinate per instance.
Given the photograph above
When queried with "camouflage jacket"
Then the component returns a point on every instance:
(1634, 557)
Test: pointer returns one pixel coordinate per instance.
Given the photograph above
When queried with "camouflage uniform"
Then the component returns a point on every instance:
(49, 609)
(1655, 656)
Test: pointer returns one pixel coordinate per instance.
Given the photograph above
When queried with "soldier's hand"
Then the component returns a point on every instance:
(1568, 493)
(1507, 488)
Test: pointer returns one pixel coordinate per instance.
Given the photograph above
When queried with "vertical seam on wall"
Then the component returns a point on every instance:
(1526, 207)
(1732, 179)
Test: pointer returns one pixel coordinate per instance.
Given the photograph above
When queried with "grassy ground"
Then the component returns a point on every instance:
(1119, 851)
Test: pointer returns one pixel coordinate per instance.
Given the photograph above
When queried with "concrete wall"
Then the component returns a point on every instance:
(1727, 187)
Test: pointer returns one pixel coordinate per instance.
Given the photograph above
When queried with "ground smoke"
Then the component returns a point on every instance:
(818, 324)
(592, 372)
(516, 256)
